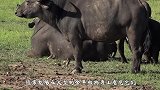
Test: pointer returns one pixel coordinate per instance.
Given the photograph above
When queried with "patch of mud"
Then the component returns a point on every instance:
(22, 76)
(143, 87)
(17, 66)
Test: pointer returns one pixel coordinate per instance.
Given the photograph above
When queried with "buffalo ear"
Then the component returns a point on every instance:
(44, 3)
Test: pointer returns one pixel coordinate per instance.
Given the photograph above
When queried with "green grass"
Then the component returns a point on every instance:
(15, 41)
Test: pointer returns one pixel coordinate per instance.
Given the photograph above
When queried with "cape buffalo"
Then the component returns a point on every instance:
(153, 53)
(122, 40)
(45, 41)
(48, 41)
(151, 56)
(98, 20)
(98, 51)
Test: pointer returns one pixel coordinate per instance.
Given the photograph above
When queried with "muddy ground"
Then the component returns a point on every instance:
(40, 76)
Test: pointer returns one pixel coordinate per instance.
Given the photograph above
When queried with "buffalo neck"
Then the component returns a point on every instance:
(51, 15)
(55, 14)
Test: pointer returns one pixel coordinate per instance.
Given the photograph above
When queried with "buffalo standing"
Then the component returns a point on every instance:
(98, 20)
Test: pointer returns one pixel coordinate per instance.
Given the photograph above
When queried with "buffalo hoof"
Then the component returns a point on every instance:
(155, 62)
(51, 57)
(124, 62)
(136, 70)
(68, 63)
(75, 71)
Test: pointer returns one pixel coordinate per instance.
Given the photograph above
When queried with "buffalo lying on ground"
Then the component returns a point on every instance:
(98, 51)
(98, 20)
(47, 41)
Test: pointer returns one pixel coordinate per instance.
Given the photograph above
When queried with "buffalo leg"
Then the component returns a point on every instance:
(126, 39)
(77, 52)
(68, 62)
(136, 42)
(148, 57)
(113, 54)
(100, 51)
(78, 59)
(155, 55)
(52, 55)
(137, 55)
(121, 50)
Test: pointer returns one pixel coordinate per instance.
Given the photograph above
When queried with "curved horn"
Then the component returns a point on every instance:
(77, 9)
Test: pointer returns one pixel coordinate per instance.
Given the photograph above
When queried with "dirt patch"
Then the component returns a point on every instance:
(143, 87)
(41, 76)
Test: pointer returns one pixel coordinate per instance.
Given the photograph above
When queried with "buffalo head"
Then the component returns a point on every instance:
(32, 8)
